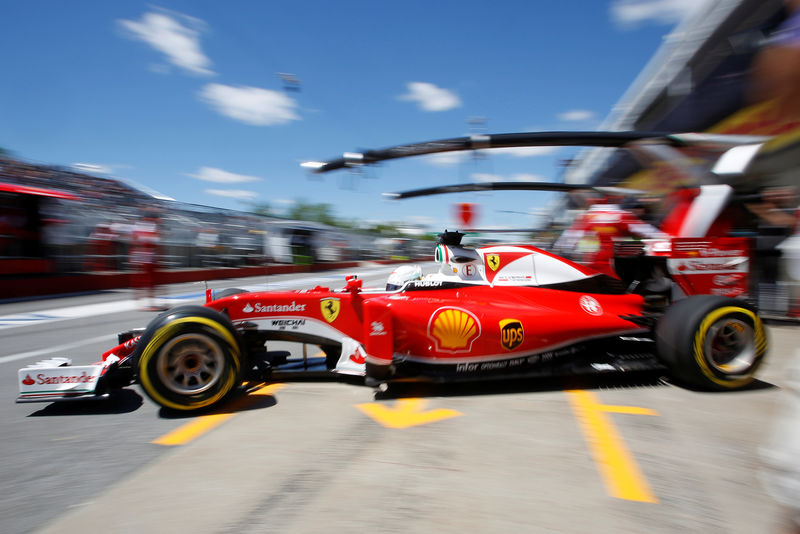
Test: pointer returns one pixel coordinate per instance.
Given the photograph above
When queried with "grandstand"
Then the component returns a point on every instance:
(92, 225)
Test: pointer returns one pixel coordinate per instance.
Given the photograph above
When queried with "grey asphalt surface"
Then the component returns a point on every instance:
(516, 458)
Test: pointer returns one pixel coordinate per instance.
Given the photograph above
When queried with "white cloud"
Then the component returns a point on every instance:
(175, 35)
(451, 159)
(430, 97)
(92, 168)
(576, 115)
(633, 13)
(211, 174)
(527, 177)
(251, 105)
(232, 193)
(525, 151)
(446, 159)
(483, 177)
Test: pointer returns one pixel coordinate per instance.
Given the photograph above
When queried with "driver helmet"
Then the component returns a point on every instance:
(403, 274)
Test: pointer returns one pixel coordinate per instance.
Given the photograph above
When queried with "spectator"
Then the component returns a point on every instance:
(776, 69)
(144, 259)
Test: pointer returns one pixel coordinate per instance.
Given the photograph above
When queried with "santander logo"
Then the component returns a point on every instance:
(48, 379)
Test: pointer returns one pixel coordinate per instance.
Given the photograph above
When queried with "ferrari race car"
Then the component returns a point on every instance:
(487, 313)
(493, 312)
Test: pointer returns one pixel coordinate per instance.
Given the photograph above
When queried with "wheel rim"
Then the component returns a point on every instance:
(190, 363)
(730, 346)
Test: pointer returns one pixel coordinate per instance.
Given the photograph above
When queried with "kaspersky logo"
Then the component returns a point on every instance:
(453, 329)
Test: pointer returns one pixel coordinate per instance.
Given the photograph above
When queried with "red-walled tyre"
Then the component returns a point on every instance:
(712, 342)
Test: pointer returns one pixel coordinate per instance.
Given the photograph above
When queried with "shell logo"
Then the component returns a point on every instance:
(453, 329)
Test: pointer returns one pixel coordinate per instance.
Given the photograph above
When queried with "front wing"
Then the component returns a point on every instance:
(57, 379)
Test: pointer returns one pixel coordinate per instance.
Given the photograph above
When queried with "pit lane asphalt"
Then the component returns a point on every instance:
(522, 456)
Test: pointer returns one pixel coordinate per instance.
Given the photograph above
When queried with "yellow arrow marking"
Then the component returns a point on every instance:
(622, 476)
(204, 423)
(406, 413)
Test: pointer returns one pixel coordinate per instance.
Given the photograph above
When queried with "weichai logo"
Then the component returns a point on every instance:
(511, 333)
(453, 329)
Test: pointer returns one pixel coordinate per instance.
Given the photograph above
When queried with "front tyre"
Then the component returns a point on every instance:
(191, 361)
(712, 342)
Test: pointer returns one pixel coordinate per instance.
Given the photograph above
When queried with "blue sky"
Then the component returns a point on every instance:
(185, 96)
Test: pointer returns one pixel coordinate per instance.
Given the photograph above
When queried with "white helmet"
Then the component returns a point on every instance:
(403, 274)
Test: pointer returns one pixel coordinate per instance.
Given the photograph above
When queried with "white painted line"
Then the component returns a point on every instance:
(91, 310)
(73, 312)
(59, 348)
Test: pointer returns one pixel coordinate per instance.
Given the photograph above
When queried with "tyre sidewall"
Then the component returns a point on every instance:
(197, 320)
(681, 336)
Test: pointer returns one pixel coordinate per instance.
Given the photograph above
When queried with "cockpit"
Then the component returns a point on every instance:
(498, 265)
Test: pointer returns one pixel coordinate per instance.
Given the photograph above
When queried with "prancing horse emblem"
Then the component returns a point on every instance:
(330, 309)
(493, 261)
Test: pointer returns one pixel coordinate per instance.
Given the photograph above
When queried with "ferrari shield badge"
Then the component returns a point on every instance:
(493, 261)
(330, 309)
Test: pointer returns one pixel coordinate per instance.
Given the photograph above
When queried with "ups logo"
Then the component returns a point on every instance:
(511, 334)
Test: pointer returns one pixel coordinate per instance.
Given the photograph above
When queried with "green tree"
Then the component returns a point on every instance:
(305, 211)
(261, 208)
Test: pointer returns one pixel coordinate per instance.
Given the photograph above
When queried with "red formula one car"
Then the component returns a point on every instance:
(487, 313)
(500, 311)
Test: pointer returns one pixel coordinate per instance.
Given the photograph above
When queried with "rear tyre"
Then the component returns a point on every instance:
(190, 359)
(712, 342)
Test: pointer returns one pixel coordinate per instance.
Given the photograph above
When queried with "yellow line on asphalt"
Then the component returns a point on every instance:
(191, 430)
(619, 470)
(631, 410)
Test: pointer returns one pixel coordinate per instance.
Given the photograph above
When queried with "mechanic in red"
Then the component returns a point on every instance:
(144, 257)
(590, 239)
